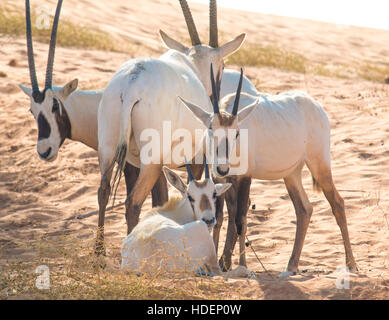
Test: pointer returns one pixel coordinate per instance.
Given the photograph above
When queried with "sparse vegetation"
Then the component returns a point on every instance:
(374, 72)
(269, 56)
(75, 273)
(12, 23)
(275, 57)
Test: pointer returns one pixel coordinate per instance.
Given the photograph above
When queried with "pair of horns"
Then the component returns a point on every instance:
(190, 175)
(213, 32)
(37, 95)
(216, 93)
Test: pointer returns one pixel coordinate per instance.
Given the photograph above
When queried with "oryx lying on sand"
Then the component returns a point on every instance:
(176, 237)
(66, 113)
(285, 131)
(142, 95)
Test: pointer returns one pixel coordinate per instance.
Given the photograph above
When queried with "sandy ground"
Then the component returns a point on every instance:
(36, 197)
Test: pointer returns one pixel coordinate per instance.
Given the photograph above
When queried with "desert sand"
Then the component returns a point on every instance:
(36, 197)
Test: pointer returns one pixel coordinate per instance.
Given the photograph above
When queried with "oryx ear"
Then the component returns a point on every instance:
(221, 188)
(69, 88)
(174, 180)
(171, 43)
(230, 47)
(27, 91)
(198, 112)
(245, 112)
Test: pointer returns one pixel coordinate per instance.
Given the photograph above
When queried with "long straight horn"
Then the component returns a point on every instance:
(213, 32)
(237, 96)
(194, 36)
(215, 95)
(30, 51)
(206, 168)
(50, 60)
(190, 175)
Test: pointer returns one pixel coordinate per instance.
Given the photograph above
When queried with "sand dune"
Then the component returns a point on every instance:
(37, 197)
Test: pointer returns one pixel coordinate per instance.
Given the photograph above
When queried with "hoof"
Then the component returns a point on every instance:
(224, 265)
(286, 274)
(352, 267)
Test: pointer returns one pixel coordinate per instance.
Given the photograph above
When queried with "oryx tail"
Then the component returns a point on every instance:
(122, 147)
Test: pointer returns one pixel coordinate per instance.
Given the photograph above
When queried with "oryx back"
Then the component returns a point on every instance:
(284, 130)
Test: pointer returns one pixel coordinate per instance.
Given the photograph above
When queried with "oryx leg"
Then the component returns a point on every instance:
(241, 217)
(147, 177)
(232, 207)
(323, 175)
(105, 162)
(219, 220)
(159, 192)
(131, 173)
(303, 210)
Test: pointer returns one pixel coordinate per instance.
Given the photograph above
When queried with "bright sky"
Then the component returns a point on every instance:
(368, 13)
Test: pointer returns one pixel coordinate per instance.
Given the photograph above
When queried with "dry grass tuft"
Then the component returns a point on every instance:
(269, 56)
(75, 273)
(374, 72)
(275, 57)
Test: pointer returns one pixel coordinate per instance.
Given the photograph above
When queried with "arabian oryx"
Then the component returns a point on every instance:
(176, 237)
(285, 131)
(143, 96)
(64, 112)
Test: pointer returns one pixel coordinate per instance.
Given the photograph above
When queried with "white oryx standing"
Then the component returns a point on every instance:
(285, 131)
(176, 237)
(142, 95)
(66, 113)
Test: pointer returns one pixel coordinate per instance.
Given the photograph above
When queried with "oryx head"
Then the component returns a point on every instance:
(47, 105)
(200, 194)
(222, 128)
(202, 55)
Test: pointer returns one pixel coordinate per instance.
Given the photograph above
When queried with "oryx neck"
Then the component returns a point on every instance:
(82, 108)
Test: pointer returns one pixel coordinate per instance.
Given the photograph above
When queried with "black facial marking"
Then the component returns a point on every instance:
(191, 201)
(224, 140)
(55, 106)
(63, 123)
(44, 129)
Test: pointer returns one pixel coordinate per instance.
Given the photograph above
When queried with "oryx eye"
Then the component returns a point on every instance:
(55, 106)
(190, 198)
(214, 195)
